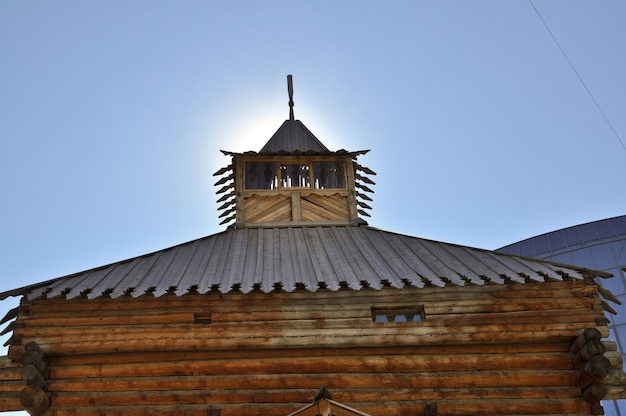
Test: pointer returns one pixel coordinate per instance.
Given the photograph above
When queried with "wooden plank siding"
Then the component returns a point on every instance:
(309, 206)
(324, 207)
(481, 350)
(267, 209)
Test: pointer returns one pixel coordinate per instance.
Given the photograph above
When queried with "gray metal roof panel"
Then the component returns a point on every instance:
(293, 136)
(289, 258)
(116, 276)
(415, 270)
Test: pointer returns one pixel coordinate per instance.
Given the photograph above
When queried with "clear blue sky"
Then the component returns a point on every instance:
(112, 115)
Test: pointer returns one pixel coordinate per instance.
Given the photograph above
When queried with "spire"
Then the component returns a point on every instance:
(290, 91)
(293, 136)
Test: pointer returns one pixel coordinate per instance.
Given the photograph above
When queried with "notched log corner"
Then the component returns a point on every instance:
(35, 373)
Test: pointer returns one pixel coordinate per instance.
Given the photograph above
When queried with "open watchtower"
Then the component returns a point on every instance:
(294, 180)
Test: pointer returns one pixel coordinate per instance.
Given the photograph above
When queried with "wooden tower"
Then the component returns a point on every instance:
(294, 180)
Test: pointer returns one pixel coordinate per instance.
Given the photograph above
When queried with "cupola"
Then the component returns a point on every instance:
(294, 180)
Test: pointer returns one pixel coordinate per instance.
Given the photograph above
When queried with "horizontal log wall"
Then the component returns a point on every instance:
(11, 384)
(493, 350)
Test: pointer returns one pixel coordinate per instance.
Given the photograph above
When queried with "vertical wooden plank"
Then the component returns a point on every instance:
(296, 213)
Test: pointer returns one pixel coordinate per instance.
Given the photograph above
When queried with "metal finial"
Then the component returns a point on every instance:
(290, 91)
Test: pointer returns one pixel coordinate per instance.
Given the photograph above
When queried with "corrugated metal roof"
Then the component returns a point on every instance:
(290, 258)
(293, 136)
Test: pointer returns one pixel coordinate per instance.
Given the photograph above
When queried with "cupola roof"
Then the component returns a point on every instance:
(293, 136)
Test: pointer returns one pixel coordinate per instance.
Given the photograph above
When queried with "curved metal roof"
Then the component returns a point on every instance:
(306, 258)
(570, 237)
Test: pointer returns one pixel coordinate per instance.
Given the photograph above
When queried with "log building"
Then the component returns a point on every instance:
(299, 292)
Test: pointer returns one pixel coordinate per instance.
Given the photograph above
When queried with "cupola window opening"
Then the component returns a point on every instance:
(261, 175)
(295, 175)
(329, 175)
(271, 175)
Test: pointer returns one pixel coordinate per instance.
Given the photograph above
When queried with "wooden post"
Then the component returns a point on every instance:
(296, 213)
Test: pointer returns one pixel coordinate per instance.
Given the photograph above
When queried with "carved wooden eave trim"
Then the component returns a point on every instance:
(340, 152)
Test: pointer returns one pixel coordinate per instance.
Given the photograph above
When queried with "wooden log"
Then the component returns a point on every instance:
(320, 339)
(607, 294)
(616, 359)
(342, 362)
(596, 409)
(8, 328)
(315, 327)
(616, 377)
(33, 346)
(594, 393)
(455, 306)
(311, 353)
(36, 359)
(562, 293)
(34, 370)
(47, 321)
(10, 315)
(548, 407)
(593, 371)
(34, 400)
(615, 392)
(33, 377)
(608, 308)
(451, 309)
(243, 397)
(586, 335)
(305, 318)
(589, 349)
(186, 380)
